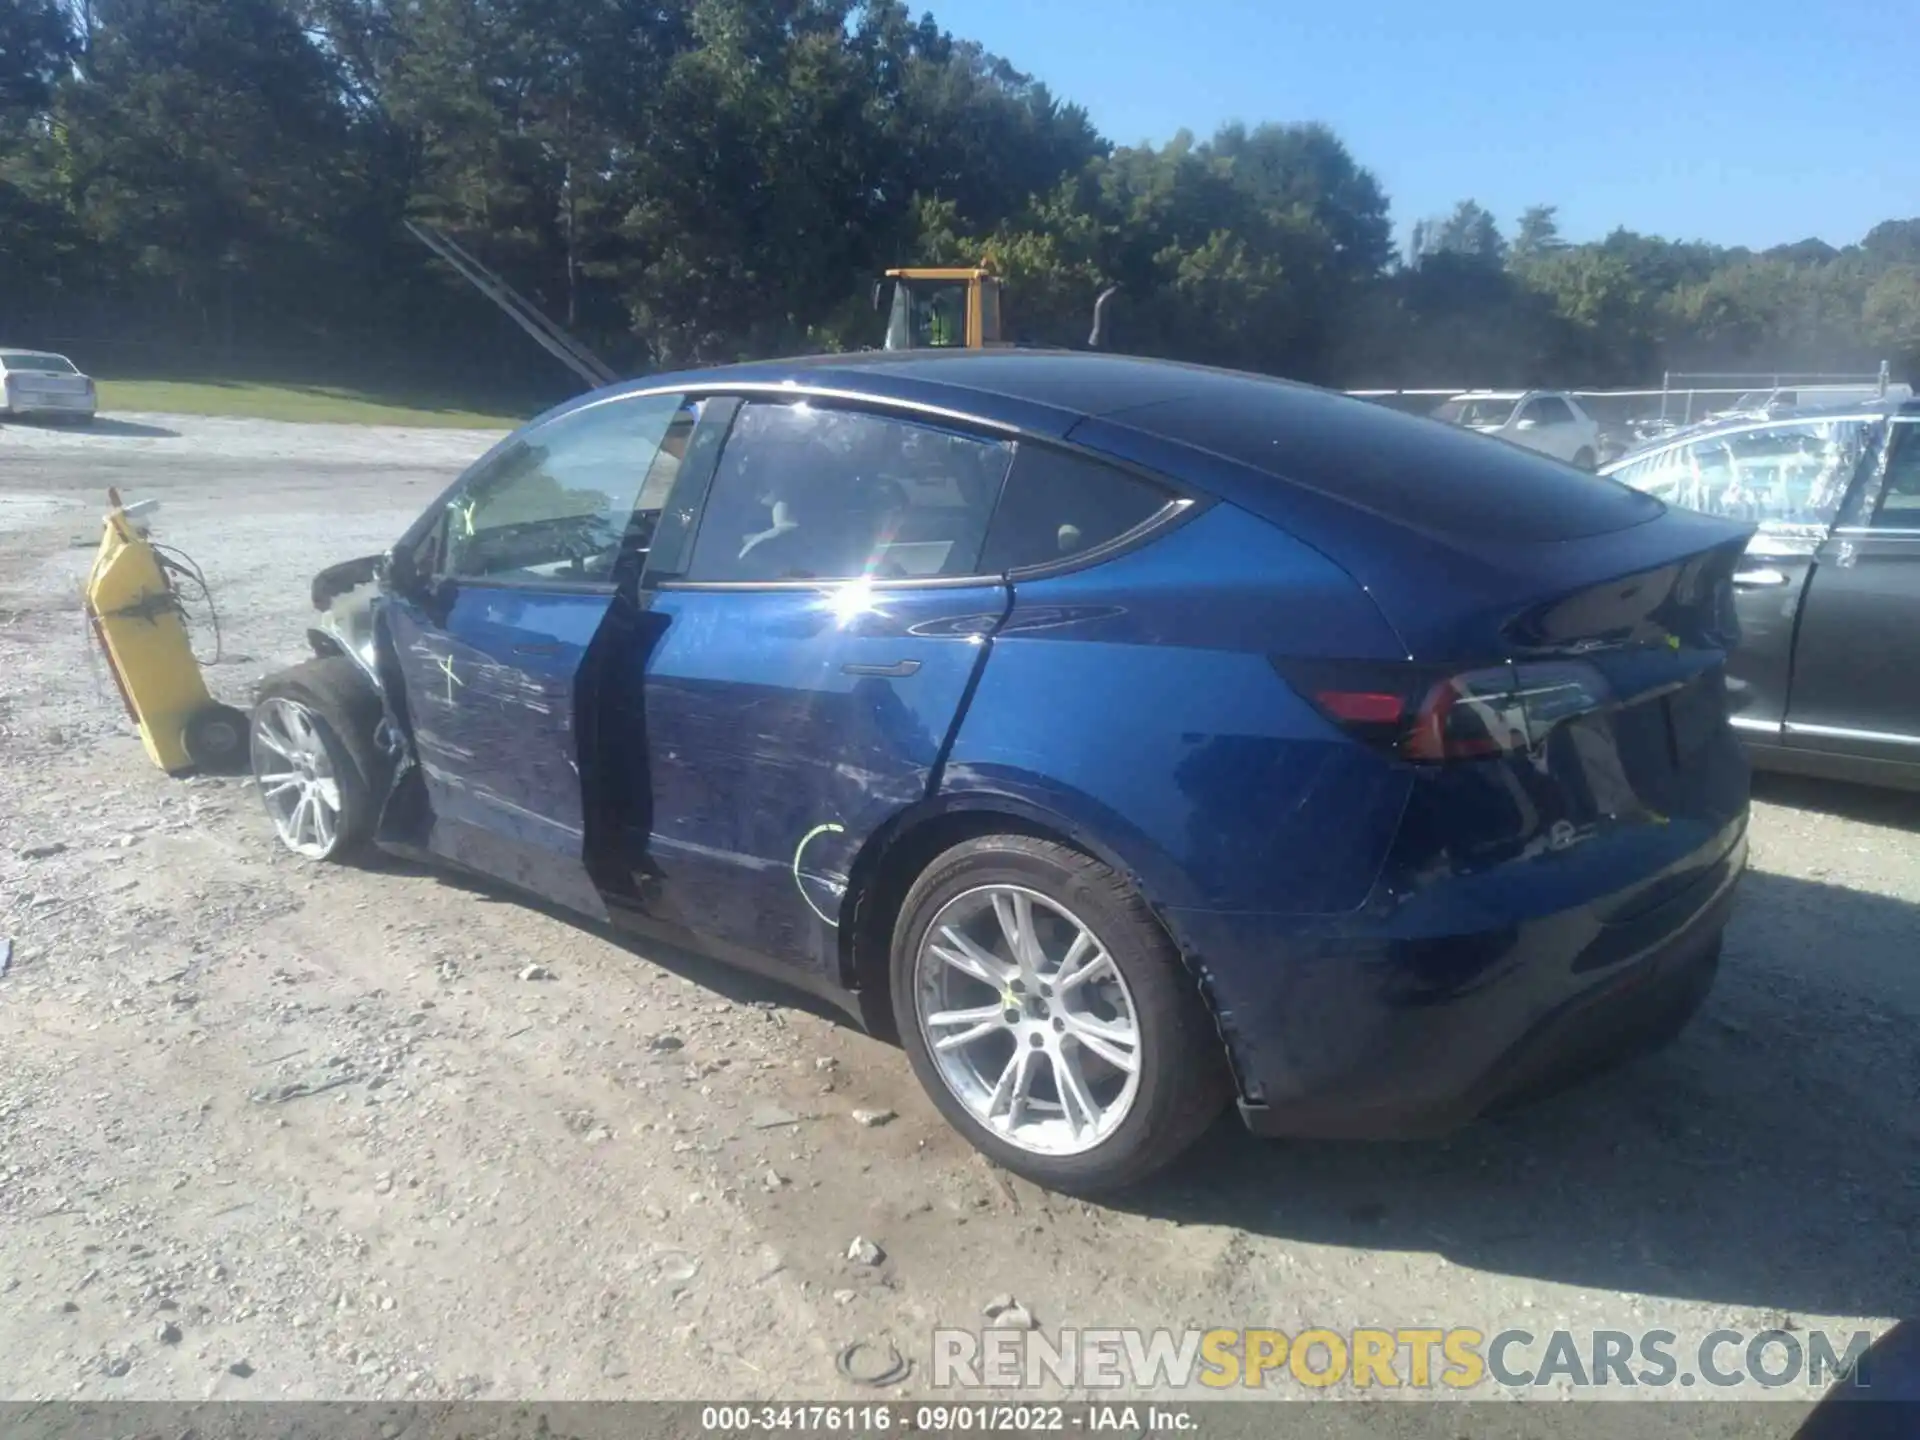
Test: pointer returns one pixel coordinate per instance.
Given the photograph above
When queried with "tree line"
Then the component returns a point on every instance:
(682, 181)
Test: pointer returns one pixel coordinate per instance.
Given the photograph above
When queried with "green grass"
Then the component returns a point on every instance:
(311, 404)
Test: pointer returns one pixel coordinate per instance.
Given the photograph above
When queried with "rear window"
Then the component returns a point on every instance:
(1058, 505)
(1435, 476)
(42, 364)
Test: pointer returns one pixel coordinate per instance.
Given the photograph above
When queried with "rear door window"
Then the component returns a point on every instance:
(1059, 505)
(1551, 410)
(810, 492)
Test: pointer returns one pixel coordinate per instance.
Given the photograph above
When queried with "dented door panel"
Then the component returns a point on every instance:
(780, 730)
(490, 696)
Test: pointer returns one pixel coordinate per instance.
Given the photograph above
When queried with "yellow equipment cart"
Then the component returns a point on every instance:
(136, 616)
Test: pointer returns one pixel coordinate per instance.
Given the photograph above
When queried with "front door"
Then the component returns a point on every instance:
(797, 678)
(1856, 674)
(510, 584)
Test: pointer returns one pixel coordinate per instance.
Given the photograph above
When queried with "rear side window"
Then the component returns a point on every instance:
(1900, 502)
(1552, 410)
(1437, 477)
(810, 492)
(1058, 505)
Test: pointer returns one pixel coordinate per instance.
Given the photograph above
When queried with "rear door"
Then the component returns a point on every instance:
(511, 581)
(795, 676)
(1790, 478)
(1856, 676)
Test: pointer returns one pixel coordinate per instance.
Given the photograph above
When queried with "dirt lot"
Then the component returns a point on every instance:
(274, 1131)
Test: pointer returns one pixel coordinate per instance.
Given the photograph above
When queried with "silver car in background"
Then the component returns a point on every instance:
(39, 383)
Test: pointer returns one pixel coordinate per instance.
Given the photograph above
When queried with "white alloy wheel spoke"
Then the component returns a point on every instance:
(1115, 1044)
(968, 958)
(1076, 1100)
(981, 1021)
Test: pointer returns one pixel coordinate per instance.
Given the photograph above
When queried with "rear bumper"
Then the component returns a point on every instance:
(1379, 1039)
(78, 406)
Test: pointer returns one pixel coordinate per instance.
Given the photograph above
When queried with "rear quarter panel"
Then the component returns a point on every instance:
(1133, 705)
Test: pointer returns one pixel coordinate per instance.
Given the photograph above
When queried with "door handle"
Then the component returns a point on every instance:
(1759, 579)
(899, 670)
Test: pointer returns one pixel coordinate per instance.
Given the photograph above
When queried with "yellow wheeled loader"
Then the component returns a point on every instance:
(136, 615)
(956, 307)
(939, 308)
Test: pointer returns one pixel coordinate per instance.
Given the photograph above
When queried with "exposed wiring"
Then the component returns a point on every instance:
(181, 567)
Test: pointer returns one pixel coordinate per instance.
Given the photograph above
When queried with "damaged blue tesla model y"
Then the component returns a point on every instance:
(1127, 737)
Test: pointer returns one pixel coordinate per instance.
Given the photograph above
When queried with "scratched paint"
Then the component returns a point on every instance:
(838, 888)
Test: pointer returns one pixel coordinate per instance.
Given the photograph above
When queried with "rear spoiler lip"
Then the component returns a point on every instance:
(1451, 598)
(1508, 589)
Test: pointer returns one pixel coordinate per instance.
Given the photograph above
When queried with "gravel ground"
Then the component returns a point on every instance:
(275, 1131)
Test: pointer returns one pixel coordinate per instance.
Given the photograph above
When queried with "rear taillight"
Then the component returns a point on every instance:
(1435, 717)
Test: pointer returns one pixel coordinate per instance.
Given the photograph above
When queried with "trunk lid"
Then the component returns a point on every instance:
(1649, 609)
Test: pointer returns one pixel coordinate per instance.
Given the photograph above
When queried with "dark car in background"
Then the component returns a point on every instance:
(1826, 680)
(1125, 736)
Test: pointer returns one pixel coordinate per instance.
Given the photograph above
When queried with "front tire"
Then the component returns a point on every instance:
(1049, 1016)
(314, 758)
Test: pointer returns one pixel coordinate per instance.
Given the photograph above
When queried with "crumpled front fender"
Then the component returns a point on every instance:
(344, 595)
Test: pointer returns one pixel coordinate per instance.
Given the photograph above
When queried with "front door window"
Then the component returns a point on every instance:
(561, 502)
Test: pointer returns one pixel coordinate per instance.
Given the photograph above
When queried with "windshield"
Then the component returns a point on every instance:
(42, 364)
(1482, 411)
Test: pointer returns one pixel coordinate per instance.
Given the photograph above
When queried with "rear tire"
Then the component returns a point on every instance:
(1093, 1125)
(1584, 459)
(313, 750)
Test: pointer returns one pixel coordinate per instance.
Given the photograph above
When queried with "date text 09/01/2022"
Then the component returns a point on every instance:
(940, 1419)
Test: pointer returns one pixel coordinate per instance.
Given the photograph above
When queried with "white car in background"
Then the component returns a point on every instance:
(1550, 421)
(35, 382)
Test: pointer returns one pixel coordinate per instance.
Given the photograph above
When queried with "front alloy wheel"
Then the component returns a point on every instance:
(1030, 1023)
(297, 777)
(314, 758)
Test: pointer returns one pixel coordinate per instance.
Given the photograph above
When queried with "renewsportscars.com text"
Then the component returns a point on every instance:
(1456, 1359)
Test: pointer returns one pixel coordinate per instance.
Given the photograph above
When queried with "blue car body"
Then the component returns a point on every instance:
(1387, 944)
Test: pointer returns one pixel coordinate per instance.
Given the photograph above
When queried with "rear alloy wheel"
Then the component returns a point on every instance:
(1050, 1018)
(311, 743)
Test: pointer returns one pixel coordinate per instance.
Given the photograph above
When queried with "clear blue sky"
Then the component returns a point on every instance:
(1745, 122)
